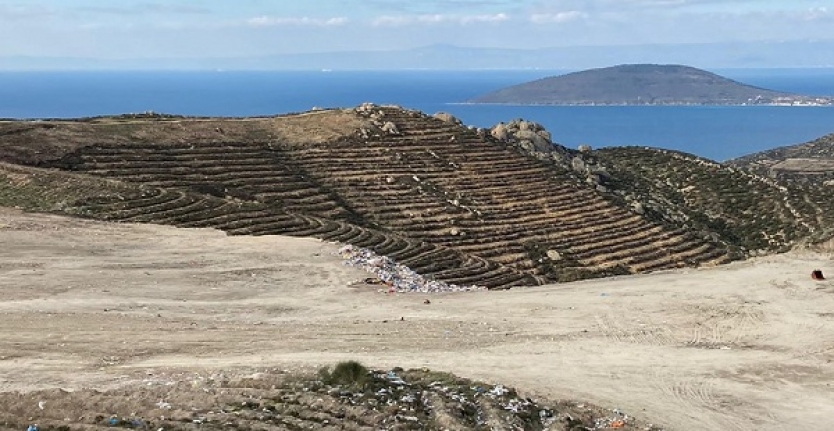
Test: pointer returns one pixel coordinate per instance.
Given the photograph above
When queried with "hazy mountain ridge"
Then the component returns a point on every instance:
(643, 84)
(790, 54)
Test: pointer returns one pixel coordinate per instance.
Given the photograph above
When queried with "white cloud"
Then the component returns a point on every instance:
(403, 20)
(271, 21)
(818, 13)
(12, 12)
(499, 17)
(557, 18)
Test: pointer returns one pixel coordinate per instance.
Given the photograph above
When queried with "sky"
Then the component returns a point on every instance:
(136, 29)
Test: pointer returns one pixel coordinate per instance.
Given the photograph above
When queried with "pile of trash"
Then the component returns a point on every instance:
(395, 277)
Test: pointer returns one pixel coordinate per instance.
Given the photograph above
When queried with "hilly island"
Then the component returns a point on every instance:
(645, 84)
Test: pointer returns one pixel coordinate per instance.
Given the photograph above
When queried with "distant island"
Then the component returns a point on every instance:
(645, 84)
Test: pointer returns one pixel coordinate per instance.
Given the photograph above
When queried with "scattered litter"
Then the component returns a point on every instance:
(397, 278)
(395, 379)
(499, 391)
(34, 427)
(817, 275)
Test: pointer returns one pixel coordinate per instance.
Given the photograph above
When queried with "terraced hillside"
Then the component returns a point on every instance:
(753, 212)
(811, 162)
(431, 194)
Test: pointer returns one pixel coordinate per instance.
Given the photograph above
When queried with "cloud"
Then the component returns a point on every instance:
(28, 11)
(557, 18)
(818, 13)
(144, 9)
(271, 21)
(428, 6)
(404, 20)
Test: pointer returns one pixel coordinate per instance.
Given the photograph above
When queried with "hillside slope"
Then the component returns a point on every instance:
(754, 212)
(438, 197)
(642, 84)
(811, 162)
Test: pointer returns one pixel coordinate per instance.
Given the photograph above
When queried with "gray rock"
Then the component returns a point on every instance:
(585, 148)
(554, 255)
(390, 128)
(539, 143)
(500, 132)
(527, 146)
(447, 118)
(578, 165)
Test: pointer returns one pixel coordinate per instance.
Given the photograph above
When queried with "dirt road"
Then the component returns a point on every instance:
(87, 304)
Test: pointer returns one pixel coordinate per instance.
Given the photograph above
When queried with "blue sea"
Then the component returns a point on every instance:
(717, 133)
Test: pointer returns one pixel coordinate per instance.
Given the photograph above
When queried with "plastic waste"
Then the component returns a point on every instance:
(397, 278)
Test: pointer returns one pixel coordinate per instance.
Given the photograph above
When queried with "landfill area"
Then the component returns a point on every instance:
(116, 322)
(397, 399)
(395, 277)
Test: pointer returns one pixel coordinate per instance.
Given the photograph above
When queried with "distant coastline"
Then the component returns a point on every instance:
(644, 85)
(718, 133)
(800, 104)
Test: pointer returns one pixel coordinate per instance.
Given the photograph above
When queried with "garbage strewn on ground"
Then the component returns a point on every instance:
(397, 278)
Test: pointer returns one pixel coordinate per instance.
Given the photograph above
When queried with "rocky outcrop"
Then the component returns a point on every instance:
(448, 118)
(530, 136)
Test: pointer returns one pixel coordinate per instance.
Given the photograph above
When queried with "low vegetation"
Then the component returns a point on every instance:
(271, 400)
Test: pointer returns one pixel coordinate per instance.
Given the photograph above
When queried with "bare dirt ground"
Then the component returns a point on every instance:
(84, 304)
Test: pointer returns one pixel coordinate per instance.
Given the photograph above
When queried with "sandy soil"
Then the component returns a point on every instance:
(742, 347)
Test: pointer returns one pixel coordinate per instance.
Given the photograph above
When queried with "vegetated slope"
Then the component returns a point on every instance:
(641, 84)
(809, 162)
(375, 400)
(431, 194)
(753, 212)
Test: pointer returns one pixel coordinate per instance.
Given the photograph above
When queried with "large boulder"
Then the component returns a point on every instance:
(529, 135)
(447, 118)
(500, 132)
(540, 143)
(390, 128)
(579, 165)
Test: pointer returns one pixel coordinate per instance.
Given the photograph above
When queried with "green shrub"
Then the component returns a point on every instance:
(348, 373)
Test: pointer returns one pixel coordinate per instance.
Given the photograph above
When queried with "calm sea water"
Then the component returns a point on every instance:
(715, 132)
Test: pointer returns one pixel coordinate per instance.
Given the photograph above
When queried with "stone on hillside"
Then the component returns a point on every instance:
(585, 148)
(500, 132)
(539, 143)
(527, 146)
(638, 208)
(366, 108)
(578, 165)
(554, 255)
(447, 118)
(390, 128)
